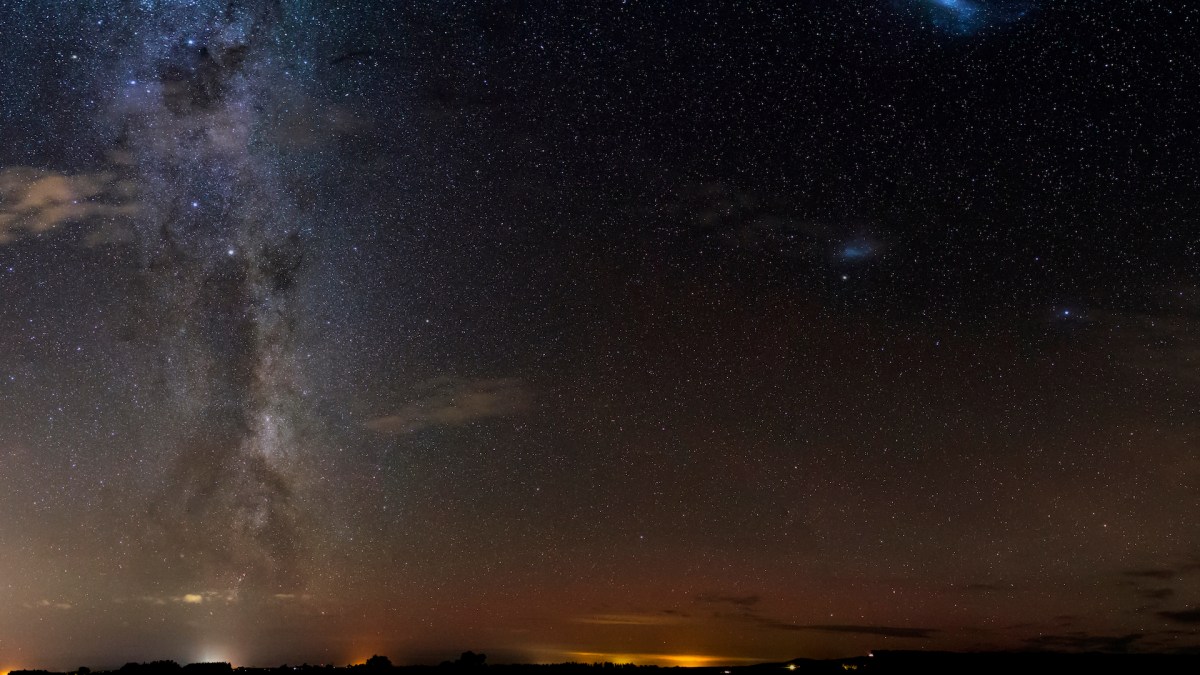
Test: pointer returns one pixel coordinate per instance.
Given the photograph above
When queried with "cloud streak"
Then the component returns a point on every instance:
(1151, 573)
(1191, 615)
(48, 604)
(33, 201)
(738, 600)
(1085, 641)
(450, 402)
(885, 631)
(1156, 593)
(629, 619)
(857, 629)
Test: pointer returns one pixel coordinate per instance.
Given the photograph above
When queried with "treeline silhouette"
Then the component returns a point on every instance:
(883, 662)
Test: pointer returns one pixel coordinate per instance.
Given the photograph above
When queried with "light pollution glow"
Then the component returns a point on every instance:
(682, 660)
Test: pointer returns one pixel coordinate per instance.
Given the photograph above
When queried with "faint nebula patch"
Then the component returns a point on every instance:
(967, 17)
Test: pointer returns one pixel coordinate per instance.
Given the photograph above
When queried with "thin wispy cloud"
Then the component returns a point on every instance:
(1151, 573)
(885, 631)
(858, 629)
(1190, 615)
(34, 201)
(737, 600)
(48, 604)
(660, 619)
(451, 402)
(1082, 641)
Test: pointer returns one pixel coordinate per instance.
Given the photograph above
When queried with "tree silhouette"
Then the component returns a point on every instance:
(470, 660)
(378, 662)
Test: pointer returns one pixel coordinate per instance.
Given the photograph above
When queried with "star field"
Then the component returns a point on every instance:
(681, 332)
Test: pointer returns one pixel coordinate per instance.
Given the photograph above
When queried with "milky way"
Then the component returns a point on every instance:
(219, 245)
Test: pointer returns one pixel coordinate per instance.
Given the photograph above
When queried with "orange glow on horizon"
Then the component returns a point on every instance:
(682, 660)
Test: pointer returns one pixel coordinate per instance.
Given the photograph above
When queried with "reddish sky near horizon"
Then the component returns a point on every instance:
(668, 332)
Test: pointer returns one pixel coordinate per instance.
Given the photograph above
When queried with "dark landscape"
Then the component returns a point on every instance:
(876, 662)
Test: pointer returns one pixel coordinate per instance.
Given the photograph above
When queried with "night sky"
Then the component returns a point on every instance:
(679, 332)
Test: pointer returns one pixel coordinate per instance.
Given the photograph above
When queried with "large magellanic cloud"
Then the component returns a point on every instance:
(967, 17)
